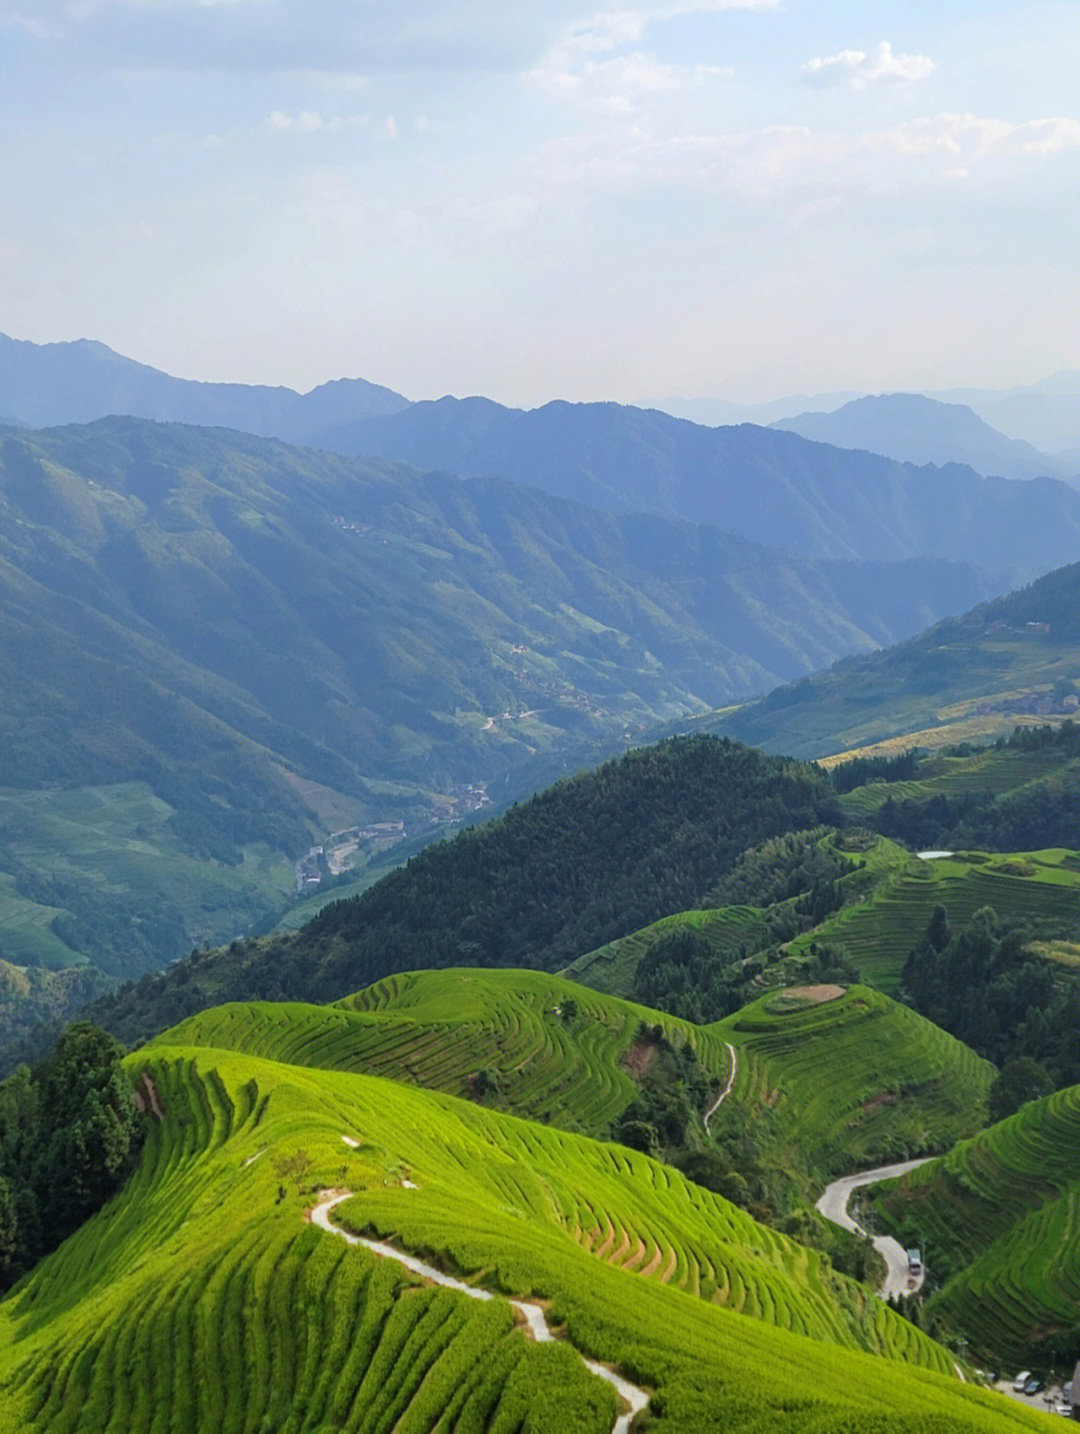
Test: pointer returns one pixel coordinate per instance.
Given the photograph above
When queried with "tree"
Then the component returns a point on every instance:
(9, 1229)
(1020, 1080)
(294, 1167)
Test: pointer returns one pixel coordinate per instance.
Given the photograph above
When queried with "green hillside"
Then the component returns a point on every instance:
(557, 1053)
(971, 678)
(217, 650)
(589, 859)
(832, 1080)
(613, 967)
(199, 1300)
(999, 1221)
(875, 935)
(820, 1090)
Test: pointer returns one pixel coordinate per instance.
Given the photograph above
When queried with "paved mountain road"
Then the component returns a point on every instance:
(833, 1204)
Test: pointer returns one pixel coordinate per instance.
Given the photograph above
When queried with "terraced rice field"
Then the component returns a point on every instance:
(1002, 1211)
(611, 968)
(199, 1301)
(852, 1082)
(440, 1028)
(1000, 771)
(877, 934)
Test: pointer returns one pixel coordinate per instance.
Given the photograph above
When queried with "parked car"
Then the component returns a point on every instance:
(1020, 1380)
(1034, 1386)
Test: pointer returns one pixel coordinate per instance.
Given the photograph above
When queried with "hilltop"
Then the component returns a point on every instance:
(203, 1270)
(915, 429)
(78, 382)
(529, 1043)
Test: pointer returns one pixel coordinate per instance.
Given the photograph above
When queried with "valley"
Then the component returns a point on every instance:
(515, 998)
(539, 718)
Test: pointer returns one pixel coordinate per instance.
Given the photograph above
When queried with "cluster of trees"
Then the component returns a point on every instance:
(860, 771)
(691, 975)
(703, 976)
(69, 1132)
(980, 984)
(592, 858)
(1041, 815)
(675, 1090)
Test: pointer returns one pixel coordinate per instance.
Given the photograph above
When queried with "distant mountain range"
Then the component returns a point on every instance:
(916, 429)
(1045, 414)
(42, 385)
(230, 647)
(768, 485)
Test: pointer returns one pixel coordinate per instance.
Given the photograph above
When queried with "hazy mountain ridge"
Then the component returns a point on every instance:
(915, 429)
(768, 485)
(47, 384)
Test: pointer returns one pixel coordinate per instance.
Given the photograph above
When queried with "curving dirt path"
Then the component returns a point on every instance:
(718, 1102)
(533, 1315)
(833, 1204)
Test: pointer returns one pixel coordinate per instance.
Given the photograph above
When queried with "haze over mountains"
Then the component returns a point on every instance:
(915, 429)
(231, 647)
(219, 649)
(46, 384)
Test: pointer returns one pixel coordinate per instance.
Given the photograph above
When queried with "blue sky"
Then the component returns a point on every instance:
(556, 200)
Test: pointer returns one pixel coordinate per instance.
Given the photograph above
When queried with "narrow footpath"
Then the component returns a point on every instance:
(533, 1315)
(718, 1102)
(834, 1206)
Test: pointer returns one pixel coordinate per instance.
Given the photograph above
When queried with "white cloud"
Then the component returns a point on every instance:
(582, 66)
(310, 122)
(621, 84)
(859, 69)
(967, 140)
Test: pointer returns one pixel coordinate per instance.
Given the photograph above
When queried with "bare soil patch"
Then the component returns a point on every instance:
(640, 1056)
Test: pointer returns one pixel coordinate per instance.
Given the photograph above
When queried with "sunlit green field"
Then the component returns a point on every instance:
(851, 1082)
(199, 1300)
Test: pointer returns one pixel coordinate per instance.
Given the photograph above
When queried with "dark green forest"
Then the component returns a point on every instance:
(69, 1133)
(592, 858)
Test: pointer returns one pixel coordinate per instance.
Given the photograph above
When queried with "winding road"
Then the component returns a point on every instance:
(533, 1315)
(718, 1102)
(833, 1204)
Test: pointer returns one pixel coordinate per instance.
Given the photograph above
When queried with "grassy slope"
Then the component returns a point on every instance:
(611, 967)
(198, 1300)
(877, 934)
(1002, 1211)
(960, 680)
(849, 1083)
(811, 1082)
(439, 1028)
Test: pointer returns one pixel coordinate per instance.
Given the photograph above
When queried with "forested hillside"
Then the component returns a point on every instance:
(589, 859)
(216, 650)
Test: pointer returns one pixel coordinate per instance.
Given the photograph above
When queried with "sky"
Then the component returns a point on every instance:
(722, 198)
